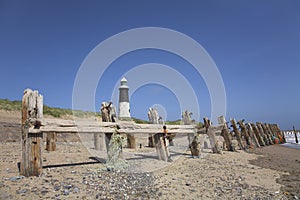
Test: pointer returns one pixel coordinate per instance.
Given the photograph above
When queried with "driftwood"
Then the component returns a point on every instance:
(32, 115)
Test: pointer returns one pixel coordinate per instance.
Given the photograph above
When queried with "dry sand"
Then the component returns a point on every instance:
(71, 173)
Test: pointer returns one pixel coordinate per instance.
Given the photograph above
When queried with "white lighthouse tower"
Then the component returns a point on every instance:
(124, 108)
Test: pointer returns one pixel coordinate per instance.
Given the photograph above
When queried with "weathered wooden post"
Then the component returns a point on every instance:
(97, 141)
(268, 133)
(280, 132)
(275, 131)
(131, 141)
(257, 134)
(237, 133)
(186, 119)
(51, 141)
(262, 133)
(160, 145)
(32, 138)
(227, 137)
(295, 132)
(245, 132)
(212, 136)
(252, 135)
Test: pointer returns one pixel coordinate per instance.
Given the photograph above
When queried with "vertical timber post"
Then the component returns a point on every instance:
(252, 135)
(269, 134)
(97, 141)
(212, 136)
(161, 146)
(237, 133)
(32, 138)
(245, 132)
(257, 134)
(262, 133)
(280, 132)
(51, 141)
(295, 132)
(227, 137)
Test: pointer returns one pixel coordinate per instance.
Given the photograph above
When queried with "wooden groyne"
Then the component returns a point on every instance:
(35, 128)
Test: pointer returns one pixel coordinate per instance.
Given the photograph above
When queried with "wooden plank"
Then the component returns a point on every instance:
(84, 129)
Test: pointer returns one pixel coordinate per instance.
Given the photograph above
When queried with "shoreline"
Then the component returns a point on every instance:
(282, 159)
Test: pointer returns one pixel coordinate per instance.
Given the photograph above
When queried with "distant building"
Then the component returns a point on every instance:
(124, 107)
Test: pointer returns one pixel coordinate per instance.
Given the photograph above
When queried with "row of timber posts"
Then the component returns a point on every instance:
(252, 135)
(32, 137)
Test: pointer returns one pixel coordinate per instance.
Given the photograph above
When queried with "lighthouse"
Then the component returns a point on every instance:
(124, 108)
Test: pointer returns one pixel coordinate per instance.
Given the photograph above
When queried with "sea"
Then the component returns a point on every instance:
(290, 140)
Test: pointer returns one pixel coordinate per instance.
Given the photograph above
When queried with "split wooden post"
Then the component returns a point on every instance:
(257, 134)
(252, 135)
(212, 136)
(161, 148)
(262, 133)
(237, 133)
(32, 115)
(51, 141)
(295, 132)
(245, 132)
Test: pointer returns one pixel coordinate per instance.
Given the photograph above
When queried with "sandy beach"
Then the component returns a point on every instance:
(72, 172)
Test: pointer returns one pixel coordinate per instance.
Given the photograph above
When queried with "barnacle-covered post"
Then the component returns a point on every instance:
(115, 159)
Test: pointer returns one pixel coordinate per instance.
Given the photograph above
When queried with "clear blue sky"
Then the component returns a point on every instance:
(255, 45)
